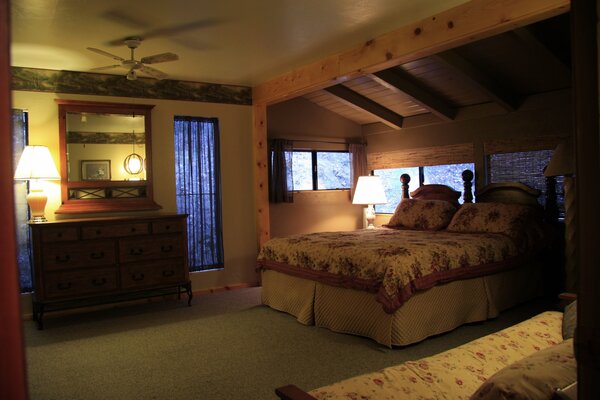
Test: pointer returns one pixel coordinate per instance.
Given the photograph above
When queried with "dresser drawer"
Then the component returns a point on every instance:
(152, 273)
(81, 254)
(114, 230)
(151, 248)
(59, 234)
(167, 226)
(80, 282)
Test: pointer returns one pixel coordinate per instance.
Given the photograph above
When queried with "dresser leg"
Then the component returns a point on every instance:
(38, 315)
(188, 288)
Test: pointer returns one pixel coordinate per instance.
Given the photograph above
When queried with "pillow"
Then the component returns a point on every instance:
(510, 219)
(430, 215)
(533, 377)
(569, 322)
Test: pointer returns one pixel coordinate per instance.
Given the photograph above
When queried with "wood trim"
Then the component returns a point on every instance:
(357, 100)
(12, 362)
(465, 23)
(399, 81)
(423, 156)
(261, 173)
(584, 50)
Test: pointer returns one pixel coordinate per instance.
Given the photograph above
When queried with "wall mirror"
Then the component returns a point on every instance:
(106, 157)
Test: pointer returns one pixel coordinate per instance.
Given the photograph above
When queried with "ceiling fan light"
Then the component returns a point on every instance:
(131, 75)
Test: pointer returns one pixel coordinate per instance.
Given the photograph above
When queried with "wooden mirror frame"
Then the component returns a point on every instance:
(69, 205)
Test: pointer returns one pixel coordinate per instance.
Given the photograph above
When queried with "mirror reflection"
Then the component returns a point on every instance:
(105, 147)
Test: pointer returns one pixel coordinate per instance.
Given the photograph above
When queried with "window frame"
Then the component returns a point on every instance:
(315, 168)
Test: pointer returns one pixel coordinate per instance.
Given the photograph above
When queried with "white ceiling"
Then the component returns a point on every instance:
(240, 42)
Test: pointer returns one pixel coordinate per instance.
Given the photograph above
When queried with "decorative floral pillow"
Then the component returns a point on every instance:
(533, 377)
(429, 215)
(510, 219)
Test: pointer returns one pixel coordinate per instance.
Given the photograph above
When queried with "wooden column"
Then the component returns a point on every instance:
(261, 176)
(584, 50)
(12, 359)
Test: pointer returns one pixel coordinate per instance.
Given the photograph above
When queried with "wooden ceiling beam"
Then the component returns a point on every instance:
(468, 22)
(469, 71)
(357, 100)
(399, 81)
(532, 42)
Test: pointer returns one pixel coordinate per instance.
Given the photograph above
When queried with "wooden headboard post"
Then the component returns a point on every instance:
(405, 180)
(467, 176)
(551, 209)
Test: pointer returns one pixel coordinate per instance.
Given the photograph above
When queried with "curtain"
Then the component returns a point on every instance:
(281, 182)
(358, 157)
(19, 123)
(198, 189)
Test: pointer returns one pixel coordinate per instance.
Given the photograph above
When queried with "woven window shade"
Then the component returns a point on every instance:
(425, 156)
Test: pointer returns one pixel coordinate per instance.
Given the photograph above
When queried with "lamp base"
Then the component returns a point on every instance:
(370, 216)
(37, 203)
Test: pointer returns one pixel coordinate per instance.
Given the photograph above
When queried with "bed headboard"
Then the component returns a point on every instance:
(505, 192)
(439, 192)
(508, 192)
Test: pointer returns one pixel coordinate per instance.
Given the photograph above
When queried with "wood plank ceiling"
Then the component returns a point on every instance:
(504, 69)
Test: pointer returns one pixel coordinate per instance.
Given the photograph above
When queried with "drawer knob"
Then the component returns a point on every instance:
(133, 229)
(137, 276)
(98, 282)
(136, 252)
(97, 256)
(166, 248)
(59, 235)
(168, 273)
(98, 231)
(63, 286)
(167, 227)
(63, 258)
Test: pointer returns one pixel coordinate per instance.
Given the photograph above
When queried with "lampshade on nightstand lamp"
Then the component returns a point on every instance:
(369, 191)
(36, 165)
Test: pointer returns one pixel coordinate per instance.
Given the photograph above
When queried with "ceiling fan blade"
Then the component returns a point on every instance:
(106, 67)
(136, 23)
(105, 53)
(153, 72)
(158, 58)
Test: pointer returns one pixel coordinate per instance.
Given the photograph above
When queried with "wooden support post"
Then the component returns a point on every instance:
(261, 173)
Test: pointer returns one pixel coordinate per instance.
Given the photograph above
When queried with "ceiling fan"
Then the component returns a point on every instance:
(134, 65)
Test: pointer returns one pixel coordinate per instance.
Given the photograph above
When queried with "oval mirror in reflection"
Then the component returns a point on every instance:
(99, 144)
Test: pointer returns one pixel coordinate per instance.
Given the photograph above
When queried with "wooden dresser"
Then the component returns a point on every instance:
(81, 262)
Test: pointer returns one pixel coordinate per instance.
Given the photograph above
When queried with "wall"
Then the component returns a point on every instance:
(235, 121)
(313, 211)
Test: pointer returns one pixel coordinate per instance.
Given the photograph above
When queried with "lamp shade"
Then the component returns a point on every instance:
(36, 164)
(369, 190)
(562, 162)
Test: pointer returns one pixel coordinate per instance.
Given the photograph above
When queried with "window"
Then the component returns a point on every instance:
(449, 174)
(198, 189)
(527, 167)
(321, 170)
(20, 138)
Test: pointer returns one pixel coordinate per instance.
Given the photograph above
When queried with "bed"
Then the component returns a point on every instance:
(435, 266)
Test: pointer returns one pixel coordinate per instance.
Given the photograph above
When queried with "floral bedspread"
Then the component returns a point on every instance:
(393, 263)
(455, 374)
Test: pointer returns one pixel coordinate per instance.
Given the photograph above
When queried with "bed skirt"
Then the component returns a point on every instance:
(427, 313)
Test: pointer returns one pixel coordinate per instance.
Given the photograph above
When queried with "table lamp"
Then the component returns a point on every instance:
(369, 191)
(36, 165)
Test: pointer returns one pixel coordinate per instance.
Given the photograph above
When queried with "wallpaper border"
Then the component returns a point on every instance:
(45, 80)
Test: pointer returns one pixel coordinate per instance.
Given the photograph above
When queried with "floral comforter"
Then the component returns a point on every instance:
(456, 373)
(393, 263)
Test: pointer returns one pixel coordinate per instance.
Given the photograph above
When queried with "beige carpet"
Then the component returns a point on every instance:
(226, 346)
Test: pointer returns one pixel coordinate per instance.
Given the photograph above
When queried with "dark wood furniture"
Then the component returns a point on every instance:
(101, 260)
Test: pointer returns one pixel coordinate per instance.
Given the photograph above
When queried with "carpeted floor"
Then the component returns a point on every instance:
(226, 346)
